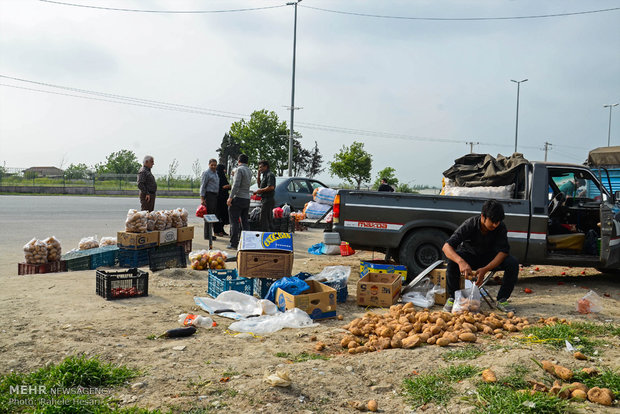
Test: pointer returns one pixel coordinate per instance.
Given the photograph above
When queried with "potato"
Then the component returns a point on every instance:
(591, 372)
(548, 366)
(443, 341)
(538, 386)
(563, 372)
(386, 332)
(602, 396)
(435, 329)
(372, 404)
(431, 340)
(489, 376)
(579, 355)
(467, 337)
(396, 343)
(424, 336)
(352, 345)
(560, 391)
(412, 342)
(319, 346)
(579, 394)
(499, 336)
(579, 386)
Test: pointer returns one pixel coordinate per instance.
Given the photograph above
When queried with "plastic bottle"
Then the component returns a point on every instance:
(188, 319)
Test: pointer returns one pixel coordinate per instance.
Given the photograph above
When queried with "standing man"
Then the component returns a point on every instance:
(147, 185)
(266, 188)
(478, 246)
(239, 201)
(385, 186)
(209, 188)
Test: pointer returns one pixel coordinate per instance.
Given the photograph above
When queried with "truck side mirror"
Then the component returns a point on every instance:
(617, 196)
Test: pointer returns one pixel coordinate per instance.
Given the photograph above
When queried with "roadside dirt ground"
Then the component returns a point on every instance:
(45, 318)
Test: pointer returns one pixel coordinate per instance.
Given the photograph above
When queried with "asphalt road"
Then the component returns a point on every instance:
(70, 218)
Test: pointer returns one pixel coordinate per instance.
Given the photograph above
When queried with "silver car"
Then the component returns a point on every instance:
(294, 191)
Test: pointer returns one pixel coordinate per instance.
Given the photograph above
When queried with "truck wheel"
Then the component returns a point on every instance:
(421, 249)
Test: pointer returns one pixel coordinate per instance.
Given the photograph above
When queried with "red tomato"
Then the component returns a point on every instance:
(527, 290)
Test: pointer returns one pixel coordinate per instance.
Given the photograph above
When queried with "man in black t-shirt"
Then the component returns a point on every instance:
(478, 246)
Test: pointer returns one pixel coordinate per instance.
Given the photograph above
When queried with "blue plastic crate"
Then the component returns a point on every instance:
(77, 260)
(103, 256)
(221, 280)
(133, 258)
(261, 286)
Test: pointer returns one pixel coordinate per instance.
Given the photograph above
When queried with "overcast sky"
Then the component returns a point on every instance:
(417, 90)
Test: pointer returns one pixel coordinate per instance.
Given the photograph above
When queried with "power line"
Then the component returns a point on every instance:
(539, 16)
(155, 104)
(162, 11)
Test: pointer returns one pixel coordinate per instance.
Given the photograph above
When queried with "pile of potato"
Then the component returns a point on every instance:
(54, 249)
(137, 221)
(575, 390)
(404, 327)
(35, 252)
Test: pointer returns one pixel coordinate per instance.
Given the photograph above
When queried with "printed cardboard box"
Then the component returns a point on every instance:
(167, 236)
(381, 266)
(264, 264)
(185, 233)
(438, 277)
(137, 241)
(319, 301)
(256, 240)
(379, 289)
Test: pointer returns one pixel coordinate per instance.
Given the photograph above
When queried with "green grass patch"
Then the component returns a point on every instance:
(468, 352)
(301, 357)
(435, 387)
(589, 328)
(516, 378)
(556, 335)
(608, 378)
(496, 398)
(77, 384)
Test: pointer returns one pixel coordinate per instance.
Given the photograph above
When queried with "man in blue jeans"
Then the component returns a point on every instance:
(239, 201)
(478, 246)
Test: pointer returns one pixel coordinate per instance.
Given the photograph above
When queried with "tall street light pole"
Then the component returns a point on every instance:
(610, 106)
(290, 139)
(517, 122)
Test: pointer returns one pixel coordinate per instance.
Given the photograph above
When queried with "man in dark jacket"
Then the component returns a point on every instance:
(385, 186)
(147, 184)
(478, 246)
(266, 189)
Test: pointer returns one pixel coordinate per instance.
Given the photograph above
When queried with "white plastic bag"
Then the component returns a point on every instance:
(90, 242)
(332, 274)
(35, 252)
(54, 249)
(286, 210)
(325, 196)
(467, 300)
(292, 318)
(423, 295)
(590, 303)
(137, 221)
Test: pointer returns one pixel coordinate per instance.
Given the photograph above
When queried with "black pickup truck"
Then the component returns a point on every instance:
(547, 224)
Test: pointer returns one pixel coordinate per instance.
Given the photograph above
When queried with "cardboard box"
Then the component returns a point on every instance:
(381, 266)
(379, 289)
(256, 240)
(137, 241)
(270, 264)
(319, 302)
(438, 277)
(185, 233)
(167, 236)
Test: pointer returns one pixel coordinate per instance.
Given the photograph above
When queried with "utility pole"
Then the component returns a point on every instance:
(290, 139)
(517, 121)
(471, 146)
(610, 106)
(547, 148)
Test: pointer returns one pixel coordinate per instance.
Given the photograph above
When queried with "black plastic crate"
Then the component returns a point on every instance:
(167, 257)
(133, 258)
(130, 283)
